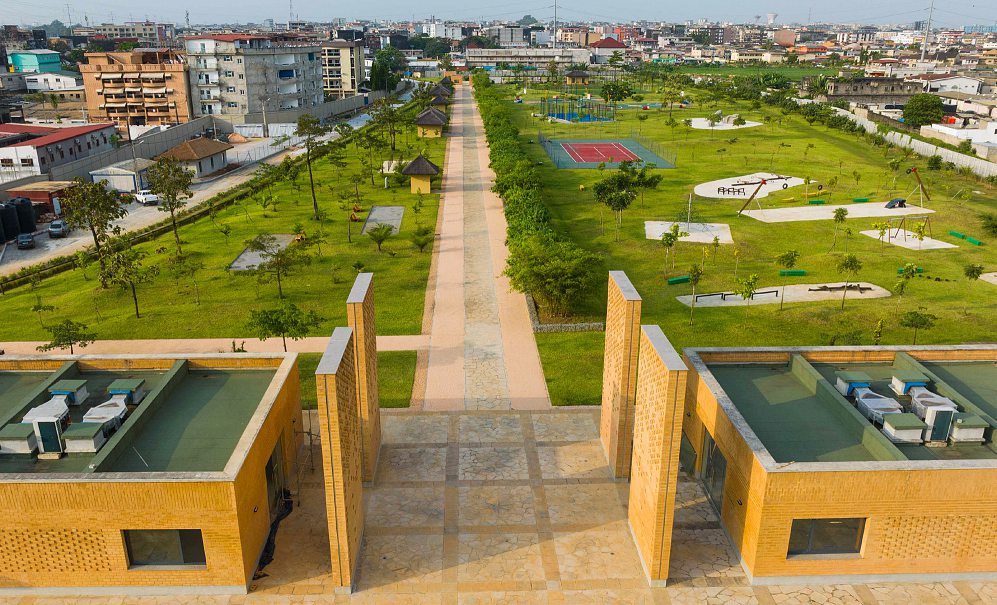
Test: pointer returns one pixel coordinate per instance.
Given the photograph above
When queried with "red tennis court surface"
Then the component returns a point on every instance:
(599, 152)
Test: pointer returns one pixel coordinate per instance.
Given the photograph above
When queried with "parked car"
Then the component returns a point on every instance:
(58, 228)
(25, 241)
(147, 198)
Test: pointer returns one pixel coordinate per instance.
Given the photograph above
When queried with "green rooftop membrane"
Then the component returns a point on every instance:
(196, 426)
(975, 380)
(16, 386)
(793, 423)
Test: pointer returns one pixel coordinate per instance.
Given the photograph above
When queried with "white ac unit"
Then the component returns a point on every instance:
(874, 406)
(936, 411)
(968, 428)
(49, 419)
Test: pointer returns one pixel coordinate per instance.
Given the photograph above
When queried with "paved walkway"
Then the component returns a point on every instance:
(482, 353)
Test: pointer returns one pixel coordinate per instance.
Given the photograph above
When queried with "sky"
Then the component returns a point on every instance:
(948, 13)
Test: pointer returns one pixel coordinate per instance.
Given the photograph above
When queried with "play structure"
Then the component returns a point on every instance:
(900, 234)
(722, 122)
(700, 233)
(794, 293)
(593, 153)
(748, 187)
(575, 109)
(826, 213)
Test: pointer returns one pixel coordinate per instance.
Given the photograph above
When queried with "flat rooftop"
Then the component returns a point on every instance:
(798, 416)
(190, 420)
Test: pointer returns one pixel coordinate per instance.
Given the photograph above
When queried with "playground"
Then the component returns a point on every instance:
(700, 233)
(826, 212)
(757, 185)
(576, 110)
(726, 123)
(794, 293)
(589, 154)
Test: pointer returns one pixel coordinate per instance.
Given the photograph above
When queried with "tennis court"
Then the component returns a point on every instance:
(594, 153)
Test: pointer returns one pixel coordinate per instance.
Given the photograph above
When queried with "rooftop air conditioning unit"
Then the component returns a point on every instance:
(904, 428)
(18, 438)
(902, 382)
(875, 406)
(75, 391)
(966, 428)
(49, 420)
(846, 382)
(936, 411)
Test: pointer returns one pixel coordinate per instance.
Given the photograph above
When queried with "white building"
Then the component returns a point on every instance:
(526, 57)
(950, 83)
(147, 32)
(28, 150)
(59, 80)
(237, 74)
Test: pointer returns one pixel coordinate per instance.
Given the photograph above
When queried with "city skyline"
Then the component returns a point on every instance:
(952, 15)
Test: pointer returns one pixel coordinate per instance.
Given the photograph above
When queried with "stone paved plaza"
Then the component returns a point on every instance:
(484, 507)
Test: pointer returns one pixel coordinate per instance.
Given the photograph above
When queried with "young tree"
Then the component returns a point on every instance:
(787, 260)
(386, 118)
(745, 288)
(908, 273)
(171, 182)
(185, 265)
(68, 334)
(124, 268)
(669, 239)
(972, 272)
(422, 237)
(617, 192)
(918, 320)
(882, 228)
(695, 275)
(91, 206)
(309, 129)
(840, 214)
(286, 321)
(849, 266)
(276, 262)
(39, 307)
(380, 234)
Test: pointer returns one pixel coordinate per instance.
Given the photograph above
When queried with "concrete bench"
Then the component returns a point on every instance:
(682, 279)
(792, 273)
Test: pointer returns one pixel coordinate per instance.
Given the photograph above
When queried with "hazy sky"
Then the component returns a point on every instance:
(949, 13)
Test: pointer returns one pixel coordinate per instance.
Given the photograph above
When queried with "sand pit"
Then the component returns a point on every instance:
(906, 239)
(990, 277)
(826, 213)
(741, 187)
(704, 124)
(794, 293)
(700, 233)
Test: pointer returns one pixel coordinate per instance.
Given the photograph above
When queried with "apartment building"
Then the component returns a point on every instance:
(526, 57)
(141, 87)
(29, 150)
(342, 68)
(233, 75)
(145, 32)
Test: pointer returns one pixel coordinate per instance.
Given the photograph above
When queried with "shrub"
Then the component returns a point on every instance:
(935, 162)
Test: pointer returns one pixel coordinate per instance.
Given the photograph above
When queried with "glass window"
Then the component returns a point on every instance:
(687, 456)
(168, 547)
(714, 472)
(826, 536)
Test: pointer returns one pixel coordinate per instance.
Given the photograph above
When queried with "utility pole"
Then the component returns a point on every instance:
(927, 31)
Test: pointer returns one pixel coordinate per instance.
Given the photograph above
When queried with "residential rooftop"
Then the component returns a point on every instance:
(790, 403)
(185, 418)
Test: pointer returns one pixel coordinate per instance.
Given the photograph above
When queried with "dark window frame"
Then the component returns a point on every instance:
(189, 543)
(811, 528)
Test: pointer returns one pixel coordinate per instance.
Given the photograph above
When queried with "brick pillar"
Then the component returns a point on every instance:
(340, 434)
(360, 316)
(660, 404)
(619, 372)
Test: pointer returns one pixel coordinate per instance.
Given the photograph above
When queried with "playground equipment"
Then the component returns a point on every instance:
(921, 190)
(575, 109)
(737, 190)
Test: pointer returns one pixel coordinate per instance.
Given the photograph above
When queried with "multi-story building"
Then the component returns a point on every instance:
(233, 75)
(526, 57)
(862, 35)
(27, 150)
(142, 87)
(35, 61)
(145, 32)
(879, 91)
(509, 36)
(576, 36)
(342, 68)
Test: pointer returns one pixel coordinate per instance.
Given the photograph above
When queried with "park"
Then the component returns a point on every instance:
(799, 199)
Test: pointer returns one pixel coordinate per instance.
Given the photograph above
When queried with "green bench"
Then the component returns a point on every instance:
(900, 270)
(817, 202)
(792, 273)
(957, 234)
(974, 241)
(682, 279)
(860, 200)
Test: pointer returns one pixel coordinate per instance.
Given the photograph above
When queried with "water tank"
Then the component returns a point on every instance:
(25, 216)
(8, 217)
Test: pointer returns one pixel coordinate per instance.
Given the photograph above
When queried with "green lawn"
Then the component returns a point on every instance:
(966, 311)
(167, 303)
(572, 378)
(395, 375)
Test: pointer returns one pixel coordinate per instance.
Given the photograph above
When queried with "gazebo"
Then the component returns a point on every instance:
(422, 172)
(430, 123)
(439, 101)
(577, 77)
(440, 91)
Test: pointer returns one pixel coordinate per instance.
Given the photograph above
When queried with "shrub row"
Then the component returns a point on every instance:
(555, 271)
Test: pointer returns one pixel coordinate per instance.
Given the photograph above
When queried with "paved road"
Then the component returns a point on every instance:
(482, 353)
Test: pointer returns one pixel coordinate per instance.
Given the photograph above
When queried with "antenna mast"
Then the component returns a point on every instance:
(927, 30)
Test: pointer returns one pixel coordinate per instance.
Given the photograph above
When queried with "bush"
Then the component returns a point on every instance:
(935, 162)
(989, 222)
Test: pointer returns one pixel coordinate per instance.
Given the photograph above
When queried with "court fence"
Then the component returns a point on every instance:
(649, 152)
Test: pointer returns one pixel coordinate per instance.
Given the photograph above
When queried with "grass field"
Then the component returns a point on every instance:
(168, 303)
(395, 376)
(966, 311)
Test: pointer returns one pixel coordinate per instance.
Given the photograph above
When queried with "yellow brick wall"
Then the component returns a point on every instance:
(660, 401)
(421, 184)
(361, 320)
(430, 132)
(70, 534)
(619, 374)
(339, 422)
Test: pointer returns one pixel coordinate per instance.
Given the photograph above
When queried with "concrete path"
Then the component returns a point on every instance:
(482, 352)
(314, 344)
